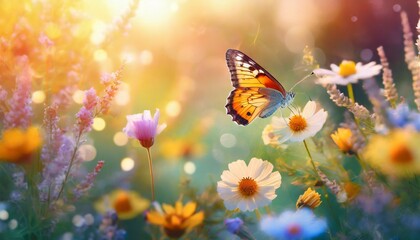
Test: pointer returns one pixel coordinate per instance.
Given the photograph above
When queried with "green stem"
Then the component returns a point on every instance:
(350, 90)
(310, 157)
(152, 180)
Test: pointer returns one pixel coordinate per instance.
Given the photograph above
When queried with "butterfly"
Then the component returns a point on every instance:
(256, 93)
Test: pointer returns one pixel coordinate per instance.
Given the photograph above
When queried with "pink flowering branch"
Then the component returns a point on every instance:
(20, 111)
(87, 183)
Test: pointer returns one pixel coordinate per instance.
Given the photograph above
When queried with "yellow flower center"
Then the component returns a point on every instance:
(248, 187)
(294, 229)
(297, 123)
(400, 153)
(122, 203)
(347, 68)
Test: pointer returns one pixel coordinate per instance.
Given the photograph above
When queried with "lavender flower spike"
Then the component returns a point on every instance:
(142, 127)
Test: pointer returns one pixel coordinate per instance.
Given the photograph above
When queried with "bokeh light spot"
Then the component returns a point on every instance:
(127, 164)
(97, 38)
(78, 221)
(173, 108)
(4, 215)
(366, 54)
(189, 168)
(38, 96)
(89, 219)
(100, 55)
(122, 97)
(99, 124)
(228, 140)
(78, 96)
(87, 152)
(146, 57)
(120, 139)
(13, 224)
(354, 19)
(396, 8)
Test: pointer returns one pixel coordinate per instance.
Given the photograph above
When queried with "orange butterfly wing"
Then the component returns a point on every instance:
(247, 100)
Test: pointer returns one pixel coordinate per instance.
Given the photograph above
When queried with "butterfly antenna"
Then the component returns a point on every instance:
(303, 79)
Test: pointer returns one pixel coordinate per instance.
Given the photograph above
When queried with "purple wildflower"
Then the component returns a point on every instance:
(87, 183)
(53, 173)
(112, 82)
(20, 110)
(142, 127)
(236, 226)
(86, 114)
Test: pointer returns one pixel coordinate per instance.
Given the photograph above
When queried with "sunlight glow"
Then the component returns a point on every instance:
(100, 55)
(146, 57)
(127, 164)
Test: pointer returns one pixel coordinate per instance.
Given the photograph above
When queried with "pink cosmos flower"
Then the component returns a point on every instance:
(143, 127)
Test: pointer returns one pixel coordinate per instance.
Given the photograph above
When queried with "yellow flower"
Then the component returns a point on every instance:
(396, 154)
(177, 220)
(17, 145)
(175, 149)
(342, 138)
(352, 190)
(310, 198)
(127, 204)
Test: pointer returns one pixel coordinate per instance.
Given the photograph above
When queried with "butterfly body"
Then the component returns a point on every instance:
(256, 93)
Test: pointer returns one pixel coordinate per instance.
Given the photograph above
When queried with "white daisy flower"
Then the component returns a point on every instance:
(248, 187)
(347, 72)
(298, 126)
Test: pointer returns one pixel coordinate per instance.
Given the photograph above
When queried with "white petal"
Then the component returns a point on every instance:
(335, 68)
(255, 167)
(286, 134)
(266, 171)
(239, 168)
(309, 109)
(274, 180)
(229, 178)
(320, 72)
(279, 123)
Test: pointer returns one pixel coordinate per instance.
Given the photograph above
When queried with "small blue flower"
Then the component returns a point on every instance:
(233, 225)
(401, 117)
(301, 224)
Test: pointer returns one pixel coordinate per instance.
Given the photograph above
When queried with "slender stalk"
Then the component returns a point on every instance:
(152, 180)
(362, 164)
(350, 90)
(310, 157)
(73, 156)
